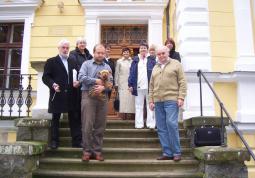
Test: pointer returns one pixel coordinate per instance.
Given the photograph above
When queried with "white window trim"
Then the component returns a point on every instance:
(21, 11)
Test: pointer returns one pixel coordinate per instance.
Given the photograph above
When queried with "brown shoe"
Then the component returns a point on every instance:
(86, 156)
(99, 157)
(177, 158)
(165, 158)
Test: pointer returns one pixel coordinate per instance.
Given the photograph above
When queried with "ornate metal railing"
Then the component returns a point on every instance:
(223, 110)
(15, 95)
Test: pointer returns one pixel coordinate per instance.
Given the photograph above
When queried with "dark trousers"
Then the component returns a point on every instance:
(93, 123)
(74, 119)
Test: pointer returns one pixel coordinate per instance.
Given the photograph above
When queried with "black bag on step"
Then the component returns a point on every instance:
(207, 136)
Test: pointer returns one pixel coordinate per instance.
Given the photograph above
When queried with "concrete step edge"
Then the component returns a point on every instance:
(118, 149)
(116, 161)
(116, 174)
(126, 130)
(126, 139)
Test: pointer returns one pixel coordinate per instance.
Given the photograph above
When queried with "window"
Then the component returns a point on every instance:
(11, 37)
(124, 35)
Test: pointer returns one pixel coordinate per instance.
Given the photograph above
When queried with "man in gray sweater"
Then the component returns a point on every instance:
(166, 94)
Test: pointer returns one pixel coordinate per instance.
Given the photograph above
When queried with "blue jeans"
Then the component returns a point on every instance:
(167, 125)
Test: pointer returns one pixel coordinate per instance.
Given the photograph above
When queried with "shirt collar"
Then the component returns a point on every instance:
(126, 59)
(62, 58)
(140, 57)
(94, 62)
(168, 60)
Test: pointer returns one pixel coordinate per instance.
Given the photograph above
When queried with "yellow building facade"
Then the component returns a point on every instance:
(211, 35)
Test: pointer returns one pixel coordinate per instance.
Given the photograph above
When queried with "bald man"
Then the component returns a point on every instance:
(166, 94)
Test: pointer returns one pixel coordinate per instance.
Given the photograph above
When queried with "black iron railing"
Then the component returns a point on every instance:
(16, 95)
(223, 110)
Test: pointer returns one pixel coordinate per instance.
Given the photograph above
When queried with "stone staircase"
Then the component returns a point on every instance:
(128, 153)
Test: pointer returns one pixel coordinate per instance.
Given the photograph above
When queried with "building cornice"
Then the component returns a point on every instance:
(245, 128)
(18, 10)
(149, 8)
(222, 77)
(122, 3)
(20, 3)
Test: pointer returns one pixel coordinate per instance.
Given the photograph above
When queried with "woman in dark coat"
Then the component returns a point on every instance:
(172, 53)
(80, 53)
(78, 56)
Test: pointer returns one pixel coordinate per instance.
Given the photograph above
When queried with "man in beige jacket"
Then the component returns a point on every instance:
(166, 94)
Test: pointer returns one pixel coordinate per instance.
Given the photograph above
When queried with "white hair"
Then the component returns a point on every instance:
(152, 46)
(162, 47)
(80, 39)
(63, 42)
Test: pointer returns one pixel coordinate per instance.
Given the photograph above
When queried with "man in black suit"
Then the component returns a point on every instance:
(58, 76)
(110, 62)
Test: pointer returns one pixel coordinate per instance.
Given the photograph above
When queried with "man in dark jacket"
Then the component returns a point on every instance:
(58, 76)
(138, 81)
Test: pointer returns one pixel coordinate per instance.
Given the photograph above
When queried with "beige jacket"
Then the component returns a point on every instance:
(168, 83)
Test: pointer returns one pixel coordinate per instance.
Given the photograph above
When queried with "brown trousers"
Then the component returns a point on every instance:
(93, 123)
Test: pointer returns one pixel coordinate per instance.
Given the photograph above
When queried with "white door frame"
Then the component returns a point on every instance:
(123, 12)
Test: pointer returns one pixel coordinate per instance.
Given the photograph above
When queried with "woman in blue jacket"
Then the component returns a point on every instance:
(138, 83)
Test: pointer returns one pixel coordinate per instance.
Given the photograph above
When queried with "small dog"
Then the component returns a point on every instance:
(104, 76)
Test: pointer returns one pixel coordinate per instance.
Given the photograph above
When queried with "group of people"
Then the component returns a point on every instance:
(78, 87)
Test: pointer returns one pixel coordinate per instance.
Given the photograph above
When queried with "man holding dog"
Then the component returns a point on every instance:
(93, 109)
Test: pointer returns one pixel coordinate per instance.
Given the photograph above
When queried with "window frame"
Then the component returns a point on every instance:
(8, 47)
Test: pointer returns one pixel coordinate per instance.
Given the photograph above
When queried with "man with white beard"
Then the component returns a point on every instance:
(58, 76)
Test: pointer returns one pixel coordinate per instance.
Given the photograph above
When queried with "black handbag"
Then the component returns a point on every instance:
(207, 136)
(116, 103)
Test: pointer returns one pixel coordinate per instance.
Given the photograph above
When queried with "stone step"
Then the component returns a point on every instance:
(116, 153)
(124, 133)
(127, 142)
(44, 173)
(118, 165)
(113, 124)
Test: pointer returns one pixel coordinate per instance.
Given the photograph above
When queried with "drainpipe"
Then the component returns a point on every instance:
(168, 19)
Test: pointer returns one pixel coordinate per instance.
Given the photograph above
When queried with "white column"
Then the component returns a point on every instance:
(24, 69)
(155, 31)
(40, 110)
(192, 20)
(245, 61)
(92, 32)
(244, 36)
(193, 41)
(245, 97)
(192, 101)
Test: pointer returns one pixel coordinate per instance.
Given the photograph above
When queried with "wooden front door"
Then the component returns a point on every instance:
(118, 37)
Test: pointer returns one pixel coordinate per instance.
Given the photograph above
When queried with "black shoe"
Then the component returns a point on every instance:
(77, 146)
(54, 145)
(165, 158)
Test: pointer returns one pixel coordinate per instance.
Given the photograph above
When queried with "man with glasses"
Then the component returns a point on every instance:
(166, 94)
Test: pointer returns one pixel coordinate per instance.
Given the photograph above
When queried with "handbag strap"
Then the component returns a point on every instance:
(117, 94)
